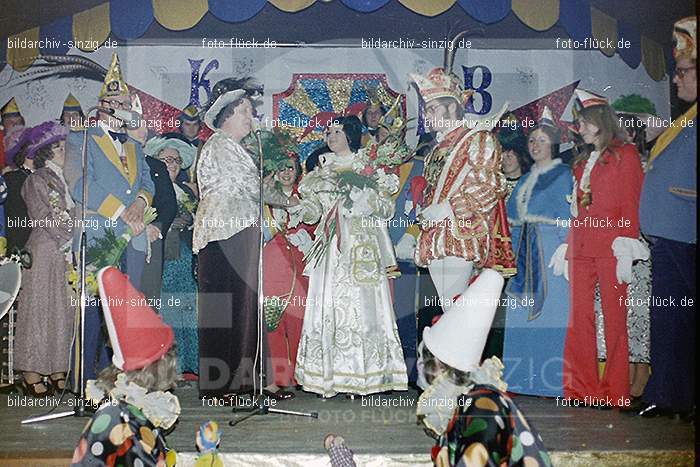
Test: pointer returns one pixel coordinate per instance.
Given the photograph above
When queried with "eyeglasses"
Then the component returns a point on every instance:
(682, 71)
(172, 160)
(116, 104)
(432, 107)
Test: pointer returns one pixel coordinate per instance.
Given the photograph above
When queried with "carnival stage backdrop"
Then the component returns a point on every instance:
(306, 82)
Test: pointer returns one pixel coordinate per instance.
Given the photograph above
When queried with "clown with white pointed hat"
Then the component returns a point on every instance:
(464, 183)
(464, 393)
(119, 187)
(668, 214)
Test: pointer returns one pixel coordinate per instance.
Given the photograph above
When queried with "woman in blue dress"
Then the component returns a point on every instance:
(537, 309)
(179, 290)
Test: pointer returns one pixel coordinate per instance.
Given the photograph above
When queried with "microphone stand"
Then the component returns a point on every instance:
(258, 405)
(79, 409)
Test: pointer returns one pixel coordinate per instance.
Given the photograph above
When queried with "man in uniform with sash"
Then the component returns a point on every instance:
(119, 189)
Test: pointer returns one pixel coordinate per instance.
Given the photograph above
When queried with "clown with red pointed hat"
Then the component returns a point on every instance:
(132, 395)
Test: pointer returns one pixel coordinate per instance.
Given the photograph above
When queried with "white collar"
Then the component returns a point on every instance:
(437, 403)
(161, 408)
(535, 170)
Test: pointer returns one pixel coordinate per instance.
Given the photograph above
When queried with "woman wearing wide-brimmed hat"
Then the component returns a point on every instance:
(44, 317)
(178, 304)
(226, 238)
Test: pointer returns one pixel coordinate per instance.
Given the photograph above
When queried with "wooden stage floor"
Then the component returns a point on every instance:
(382, 433)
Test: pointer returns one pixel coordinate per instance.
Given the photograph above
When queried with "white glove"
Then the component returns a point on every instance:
(408, 207)
(301, 240)
(559, 263)
(296, 214)
(406, 247)
(623, 271)
(435, 213)
(361, 202)
(627, 250)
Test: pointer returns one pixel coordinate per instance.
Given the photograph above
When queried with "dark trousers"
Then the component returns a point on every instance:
(96, 348)
(672, 325)
(152, 278)
(405, 308)
(228, 315)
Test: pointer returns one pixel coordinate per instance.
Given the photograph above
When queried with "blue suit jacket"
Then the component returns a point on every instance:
(668, 205)
(111, 188)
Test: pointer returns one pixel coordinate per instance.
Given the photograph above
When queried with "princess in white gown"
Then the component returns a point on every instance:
(349, 341)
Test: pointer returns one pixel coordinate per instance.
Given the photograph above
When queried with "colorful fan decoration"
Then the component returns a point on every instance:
(314, 99)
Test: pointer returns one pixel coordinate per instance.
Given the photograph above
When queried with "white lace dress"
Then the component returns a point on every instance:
(349, 341)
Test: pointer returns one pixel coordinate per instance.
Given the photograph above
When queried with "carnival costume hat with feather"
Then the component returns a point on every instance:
(114, 84)
(43, 135)
(443, 82)
(685, 39)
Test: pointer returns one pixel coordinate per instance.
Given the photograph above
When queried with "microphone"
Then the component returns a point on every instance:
(256, 126)
(130, 118)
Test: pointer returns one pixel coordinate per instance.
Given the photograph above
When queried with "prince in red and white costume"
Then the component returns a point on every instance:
(464, 184)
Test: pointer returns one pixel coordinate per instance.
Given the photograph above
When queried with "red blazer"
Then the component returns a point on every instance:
(616, 184)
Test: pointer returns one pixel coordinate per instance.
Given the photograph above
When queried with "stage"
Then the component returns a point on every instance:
(381, 430)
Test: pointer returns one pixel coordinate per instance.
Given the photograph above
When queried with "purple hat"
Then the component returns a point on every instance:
(14, 140)
(44, 134)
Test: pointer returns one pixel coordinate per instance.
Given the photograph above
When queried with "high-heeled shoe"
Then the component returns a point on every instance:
(56, 383)
(31, 389)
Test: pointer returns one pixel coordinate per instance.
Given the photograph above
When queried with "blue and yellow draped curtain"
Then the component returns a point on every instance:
(130, 19)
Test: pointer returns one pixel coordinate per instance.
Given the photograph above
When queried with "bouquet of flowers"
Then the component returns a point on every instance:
(374, 171)
(104, 251)
(90, 279)
(277, 146)
(187, 204)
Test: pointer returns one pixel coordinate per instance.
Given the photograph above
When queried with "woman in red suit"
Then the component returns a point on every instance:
(601, 246)
(284, 283)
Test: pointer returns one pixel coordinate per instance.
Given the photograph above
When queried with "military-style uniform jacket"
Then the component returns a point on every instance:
(464, 165)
